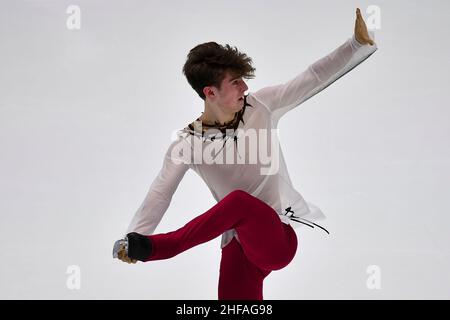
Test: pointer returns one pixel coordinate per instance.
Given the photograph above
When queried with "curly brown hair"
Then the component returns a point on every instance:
(208, 63)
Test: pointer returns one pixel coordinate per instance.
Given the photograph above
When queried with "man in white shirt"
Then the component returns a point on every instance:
(254, 212)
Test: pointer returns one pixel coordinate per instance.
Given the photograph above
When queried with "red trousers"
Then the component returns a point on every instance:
(265, 243)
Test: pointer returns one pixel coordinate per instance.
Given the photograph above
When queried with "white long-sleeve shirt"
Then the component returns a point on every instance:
(215, 158)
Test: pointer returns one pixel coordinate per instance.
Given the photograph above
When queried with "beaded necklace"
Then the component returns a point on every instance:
(229, 125)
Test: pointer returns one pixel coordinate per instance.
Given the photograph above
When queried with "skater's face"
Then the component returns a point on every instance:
(230, 96)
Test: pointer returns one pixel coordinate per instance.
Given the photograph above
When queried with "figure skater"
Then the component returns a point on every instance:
(257, 206)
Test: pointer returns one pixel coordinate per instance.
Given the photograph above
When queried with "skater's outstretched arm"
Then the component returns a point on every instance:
(158, 198)
(279, 99)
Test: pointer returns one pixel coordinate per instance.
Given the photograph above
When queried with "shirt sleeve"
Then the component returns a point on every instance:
(279, 99)
(159, 196)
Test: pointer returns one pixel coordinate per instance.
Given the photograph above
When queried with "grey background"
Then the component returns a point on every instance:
(86, 116)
